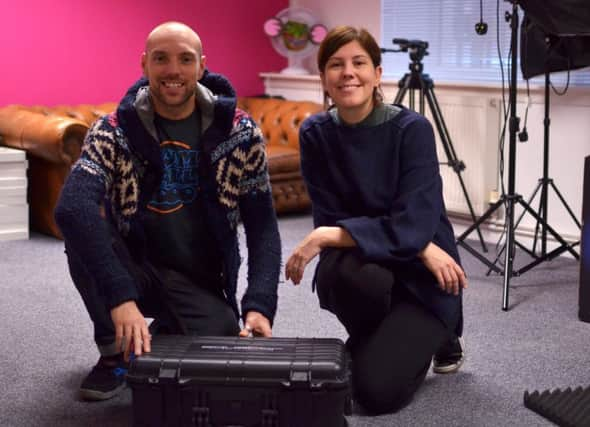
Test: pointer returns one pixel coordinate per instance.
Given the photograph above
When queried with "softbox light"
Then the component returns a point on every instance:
(555, 36)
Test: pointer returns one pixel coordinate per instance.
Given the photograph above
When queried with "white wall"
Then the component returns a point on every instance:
(366, 14)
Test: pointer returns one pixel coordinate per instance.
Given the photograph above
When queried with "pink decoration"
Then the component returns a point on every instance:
(318, 33)
(272, 27)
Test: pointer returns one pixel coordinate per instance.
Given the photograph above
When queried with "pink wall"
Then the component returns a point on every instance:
(72, 51)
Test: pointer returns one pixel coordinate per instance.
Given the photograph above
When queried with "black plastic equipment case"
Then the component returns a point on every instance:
(231, 381)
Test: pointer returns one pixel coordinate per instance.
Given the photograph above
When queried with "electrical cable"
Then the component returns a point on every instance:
(481, 27)
(505, 109)
(567, 83)
(523, 136)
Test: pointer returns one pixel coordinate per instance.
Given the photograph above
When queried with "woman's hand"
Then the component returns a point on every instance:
(302, 255)
(309, 247)
(448, 273)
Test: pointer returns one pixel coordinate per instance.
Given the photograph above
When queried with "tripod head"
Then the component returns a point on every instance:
(417, 48)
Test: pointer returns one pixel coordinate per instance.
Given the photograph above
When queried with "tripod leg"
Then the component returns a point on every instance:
(539, 186)
(471, 211)
(399, 98)
(461, 239)
(569, 210)
(500, 252)
(543, 208)
(554, 253)
(450, 153)
(544, 195)
(554, 233)
(509, 253)
(480, 221)
(422, 90)
(541, 212)
(524, 248)
(443, 127)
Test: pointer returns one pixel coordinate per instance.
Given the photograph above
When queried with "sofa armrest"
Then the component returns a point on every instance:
(54, 138)
(87, 113)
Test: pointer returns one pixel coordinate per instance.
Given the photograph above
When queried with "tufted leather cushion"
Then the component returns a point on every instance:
(279, 121)
(53, 136)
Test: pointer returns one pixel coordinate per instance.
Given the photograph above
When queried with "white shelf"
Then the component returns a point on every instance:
(14, 210)
(295, 88)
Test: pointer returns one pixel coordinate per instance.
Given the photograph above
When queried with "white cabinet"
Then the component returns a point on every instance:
(294, 88)
(14, 210)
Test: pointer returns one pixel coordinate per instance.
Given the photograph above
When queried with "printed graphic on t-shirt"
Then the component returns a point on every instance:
(180, 180)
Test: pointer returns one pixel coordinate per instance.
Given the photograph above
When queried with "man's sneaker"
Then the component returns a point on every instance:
(105, 380)
(449, 357)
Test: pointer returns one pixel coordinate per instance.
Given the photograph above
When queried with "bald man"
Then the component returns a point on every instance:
(149, 212)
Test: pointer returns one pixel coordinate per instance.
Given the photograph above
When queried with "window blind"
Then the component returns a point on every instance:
(456, 53)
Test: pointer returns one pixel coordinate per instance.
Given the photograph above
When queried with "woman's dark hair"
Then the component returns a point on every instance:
(342, 35)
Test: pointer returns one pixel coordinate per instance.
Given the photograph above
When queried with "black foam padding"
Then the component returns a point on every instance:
(566, 408)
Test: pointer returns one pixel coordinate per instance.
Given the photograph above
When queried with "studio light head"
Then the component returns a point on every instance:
(555, 36)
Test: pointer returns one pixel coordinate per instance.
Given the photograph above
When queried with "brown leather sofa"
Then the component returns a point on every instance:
(53, 136)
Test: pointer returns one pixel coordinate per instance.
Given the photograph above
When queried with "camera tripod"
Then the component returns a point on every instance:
(511, 199)
(416, 80)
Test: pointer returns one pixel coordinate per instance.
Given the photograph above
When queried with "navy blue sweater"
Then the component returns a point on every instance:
(382, 184)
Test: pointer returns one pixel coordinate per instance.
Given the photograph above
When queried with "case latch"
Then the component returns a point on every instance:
(300, 376)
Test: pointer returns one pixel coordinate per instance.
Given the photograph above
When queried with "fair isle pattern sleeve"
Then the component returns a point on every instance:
(260, 224)
(106, 155)
(95, 177)
(98, 152)
(242, 166)
(256, 167)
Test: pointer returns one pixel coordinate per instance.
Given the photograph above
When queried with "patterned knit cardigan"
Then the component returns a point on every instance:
(120, 167)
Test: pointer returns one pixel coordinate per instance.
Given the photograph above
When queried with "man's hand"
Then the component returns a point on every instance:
(256, 324)
(448, 273)
(131, 330)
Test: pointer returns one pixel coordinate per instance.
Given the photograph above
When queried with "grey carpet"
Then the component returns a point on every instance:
(538, 344)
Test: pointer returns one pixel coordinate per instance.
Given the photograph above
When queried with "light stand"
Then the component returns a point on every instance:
(510, 199)
(544, 184)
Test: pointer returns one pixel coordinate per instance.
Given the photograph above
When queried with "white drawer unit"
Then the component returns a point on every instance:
(14, 210)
